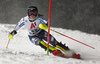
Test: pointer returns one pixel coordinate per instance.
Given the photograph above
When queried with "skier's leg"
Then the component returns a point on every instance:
(52, 50)
(55, 43)
(35, 40)
(42, 44)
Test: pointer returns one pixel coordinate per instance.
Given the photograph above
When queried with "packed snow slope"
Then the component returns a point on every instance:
(22, 51)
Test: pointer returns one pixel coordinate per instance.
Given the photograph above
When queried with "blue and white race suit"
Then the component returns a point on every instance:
(34, 32)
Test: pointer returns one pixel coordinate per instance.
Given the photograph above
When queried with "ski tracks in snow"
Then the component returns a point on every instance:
(17, 57)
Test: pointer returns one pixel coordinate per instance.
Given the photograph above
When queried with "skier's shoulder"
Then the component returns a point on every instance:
(40, 16)
(42, 19)
(25, 18)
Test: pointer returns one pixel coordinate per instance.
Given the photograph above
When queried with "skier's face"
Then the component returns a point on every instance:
(32, 16)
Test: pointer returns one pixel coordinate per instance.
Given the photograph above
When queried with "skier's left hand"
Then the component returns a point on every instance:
(43, 26)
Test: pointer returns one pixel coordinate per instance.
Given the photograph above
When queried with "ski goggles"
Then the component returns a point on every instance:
(32, 13)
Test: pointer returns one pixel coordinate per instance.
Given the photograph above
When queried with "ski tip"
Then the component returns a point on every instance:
(77, 56)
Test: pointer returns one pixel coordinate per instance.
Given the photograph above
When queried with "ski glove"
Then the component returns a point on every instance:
(12, 34)
(43, 26)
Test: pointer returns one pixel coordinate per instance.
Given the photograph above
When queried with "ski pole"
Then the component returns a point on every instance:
(50, 1)
(72, 39)
(7, 44)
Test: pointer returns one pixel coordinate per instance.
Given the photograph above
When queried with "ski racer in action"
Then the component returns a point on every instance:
(36, 26)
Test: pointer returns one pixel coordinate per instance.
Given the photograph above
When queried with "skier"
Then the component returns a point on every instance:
(36, 26)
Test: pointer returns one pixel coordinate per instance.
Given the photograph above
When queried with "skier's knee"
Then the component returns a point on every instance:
(36, 41)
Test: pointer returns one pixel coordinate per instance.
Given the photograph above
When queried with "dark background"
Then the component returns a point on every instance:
(83, 15)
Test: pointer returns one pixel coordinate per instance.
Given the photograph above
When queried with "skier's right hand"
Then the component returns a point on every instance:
(12, 34)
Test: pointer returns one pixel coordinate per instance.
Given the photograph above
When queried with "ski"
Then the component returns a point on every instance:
(63, 55)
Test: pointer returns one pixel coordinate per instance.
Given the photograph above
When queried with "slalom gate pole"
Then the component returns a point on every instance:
(49, 26)
(7, 44)
(72, 39)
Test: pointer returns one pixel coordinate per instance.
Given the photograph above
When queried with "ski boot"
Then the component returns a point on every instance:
(67, 52)
(58, 53)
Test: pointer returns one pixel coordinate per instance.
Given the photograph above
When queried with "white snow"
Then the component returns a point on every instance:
(22, 51)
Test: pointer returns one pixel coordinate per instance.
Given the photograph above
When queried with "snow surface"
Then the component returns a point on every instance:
(22, 51)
